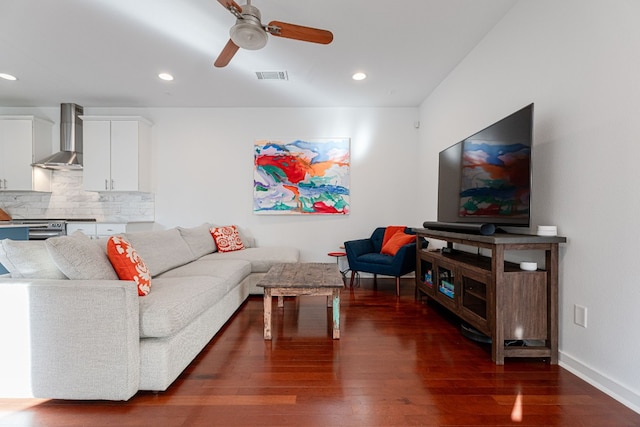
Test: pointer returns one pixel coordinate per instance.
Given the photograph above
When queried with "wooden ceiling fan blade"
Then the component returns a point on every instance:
(227, 53)
(299, 32)
(230, 5)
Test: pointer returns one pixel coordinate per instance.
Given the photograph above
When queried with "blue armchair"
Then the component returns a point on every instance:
(364, 256)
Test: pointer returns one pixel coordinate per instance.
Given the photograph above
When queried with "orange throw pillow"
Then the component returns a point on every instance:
(397, 241)
(128, 264)
(227, 238)
(390, 231)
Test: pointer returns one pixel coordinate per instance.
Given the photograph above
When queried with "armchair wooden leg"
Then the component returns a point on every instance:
(398, 286)
(375, 281)
(353, 275)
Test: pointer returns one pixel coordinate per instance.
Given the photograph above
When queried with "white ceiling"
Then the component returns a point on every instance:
(108, 53)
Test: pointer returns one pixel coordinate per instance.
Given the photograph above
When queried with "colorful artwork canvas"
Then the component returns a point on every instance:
(301, 176)
(495, 179)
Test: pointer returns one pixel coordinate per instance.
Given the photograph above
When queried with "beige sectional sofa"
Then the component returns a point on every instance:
(93, 337)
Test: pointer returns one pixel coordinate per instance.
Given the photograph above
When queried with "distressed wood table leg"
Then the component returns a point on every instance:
(336, 314)
(267, 314)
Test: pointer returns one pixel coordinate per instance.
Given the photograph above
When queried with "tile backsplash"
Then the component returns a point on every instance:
(69, 200)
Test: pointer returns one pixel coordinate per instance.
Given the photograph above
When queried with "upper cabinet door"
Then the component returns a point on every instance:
(124, 156)
(96, 174)
(117, 153)
(19, 143)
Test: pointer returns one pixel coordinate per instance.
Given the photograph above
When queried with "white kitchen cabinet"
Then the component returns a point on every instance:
(104, 229)
(97, 230)
(117, 153)
(24, 140)
(87, 228)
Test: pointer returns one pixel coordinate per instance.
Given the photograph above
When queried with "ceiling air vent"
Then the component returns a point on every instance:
(272, 75)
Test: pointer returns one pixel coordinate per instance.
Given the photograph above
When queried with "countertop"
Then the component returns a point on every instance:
(9, 224)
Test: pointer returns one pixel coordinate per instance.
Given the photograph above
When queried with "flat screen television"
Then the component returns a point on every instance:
(485, 179)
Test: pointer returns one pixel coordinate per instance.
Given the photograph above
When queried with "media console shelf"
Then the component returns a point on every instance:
(495, 296)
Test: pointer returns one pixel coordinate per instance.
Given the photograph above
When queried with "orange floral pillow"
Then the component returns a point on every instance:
(128, 264)
(396, 241)
(227, 238)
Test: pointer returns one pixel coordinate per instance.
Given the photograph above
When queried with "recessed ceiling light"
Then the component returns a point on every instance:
(7, 76)
(165, 76)
(359, 76)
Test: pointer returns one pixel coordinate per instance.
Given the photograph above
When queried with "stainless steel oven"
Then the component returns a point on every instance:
(41, 229)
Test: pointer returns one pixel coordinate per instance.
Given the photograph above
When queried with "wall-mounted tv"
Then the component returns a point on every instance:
(486, 178)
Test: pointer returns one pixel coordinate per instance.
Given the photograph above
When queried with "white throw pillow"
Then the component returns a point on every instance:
(80, 258)
(28, 260)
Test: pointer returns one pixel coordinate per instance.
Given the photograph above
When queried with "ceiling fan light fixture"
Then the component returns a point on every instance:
(248, 35)
(248, 32)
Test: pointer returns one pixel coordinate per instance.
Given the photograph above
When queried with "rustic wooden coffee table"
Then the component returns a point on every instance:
(295, 279)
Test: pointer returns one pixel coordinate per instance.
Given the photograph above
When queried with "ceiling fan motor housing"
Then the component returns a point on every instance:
(248, 32)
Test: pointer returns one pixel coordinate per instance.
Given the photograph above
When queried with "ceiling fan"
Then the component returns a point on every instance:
(249, 32)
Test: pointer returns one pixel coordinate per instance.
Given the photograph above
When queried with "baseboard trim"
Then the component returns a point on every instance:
(622, 394)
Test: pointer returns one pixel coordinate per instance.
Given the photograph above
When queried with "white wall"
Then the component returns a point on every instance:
(203, 166)
(579, 61)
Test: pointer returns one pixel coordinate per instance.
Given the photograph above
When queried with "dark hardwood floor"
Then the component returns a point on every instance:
(399, 362)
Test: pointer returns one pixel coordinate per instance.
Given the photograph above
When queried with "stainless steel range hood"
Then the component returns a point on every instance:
(70, 155)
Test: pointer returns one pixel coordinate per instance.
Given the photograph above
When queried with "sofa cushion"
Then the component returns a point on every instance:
(79, 257)
(161, 250)
(28, 259)
(128, 264)
(261, 259)
(227, 238)
(230, 270)
(376, 258)
(199, 239)
(176, 301)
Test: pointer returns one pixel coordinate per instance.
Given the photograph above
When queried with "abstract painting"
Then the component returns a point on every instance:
(495, 179)
(301, 176)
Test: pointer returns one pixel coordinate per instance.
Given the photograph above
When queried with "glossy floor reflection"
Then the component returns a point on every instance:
(398, 362)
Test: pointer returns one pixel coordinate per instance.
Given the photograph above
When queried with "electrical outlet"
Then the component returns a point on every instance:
(580, 315)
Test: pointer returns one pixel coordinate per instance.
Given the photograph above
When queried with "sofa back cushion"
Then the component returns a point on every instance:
(161, 250)
(261, 259)
(80, 258)
(28, 259)
(198, 239)
(377, 237)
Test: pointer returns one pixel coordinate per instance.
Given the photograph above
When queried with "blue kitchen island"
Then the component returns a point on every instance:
(13, 232)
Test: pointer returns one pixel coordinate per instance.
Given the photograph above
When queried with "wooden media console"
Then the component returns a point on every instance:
(495, 296)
